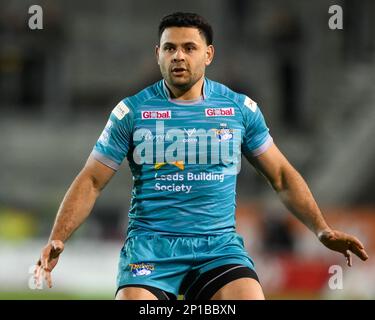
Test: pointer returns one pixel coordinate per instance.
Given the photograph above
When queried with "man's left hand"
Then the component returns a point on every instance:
(343, 243)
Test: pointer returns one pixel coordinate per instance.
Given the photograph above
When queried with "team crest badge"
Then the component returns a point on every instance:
(223, 133)
(141, 269)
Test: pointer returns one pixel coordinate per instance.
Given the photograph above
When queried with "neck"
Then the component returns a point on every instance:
(195, 92)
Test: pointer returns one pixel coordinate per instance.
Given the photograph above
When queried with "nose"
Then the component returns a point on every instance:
(178, 56)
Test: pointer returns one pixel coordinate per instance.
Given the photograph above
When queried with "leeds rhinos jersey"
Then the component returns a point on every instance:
(184, 156)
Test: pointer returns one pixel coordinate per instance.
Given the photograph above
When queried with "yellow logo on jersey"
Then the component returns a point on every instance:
(179, 164)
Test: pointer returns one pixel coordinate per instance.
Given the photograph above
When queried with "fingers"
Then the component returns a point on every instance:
(41, 273)
(37, 272)
(51, 252)
(356, 246)
(47, 262)
(359, 251)
(37, 275)
(47, 278)
(356, 242)
(348, 257)
(349, 242)
(45, 256)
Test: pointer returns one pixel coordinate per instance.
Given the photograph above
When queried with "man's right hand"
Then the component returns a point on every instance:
(47, 261)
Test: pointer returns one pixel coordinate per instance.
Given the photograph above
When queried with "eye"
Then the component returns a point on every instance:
(168, 48)
(190, 48)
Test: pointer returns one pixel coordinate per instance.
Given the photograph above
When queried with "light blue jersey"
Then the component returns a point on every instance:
(184, 157)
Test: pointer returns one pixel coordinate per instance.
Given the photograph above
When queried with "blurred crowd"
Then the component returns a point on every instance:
(316, 88)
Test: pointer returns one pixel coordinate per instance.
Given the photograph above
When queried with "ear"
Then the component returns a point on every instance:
(157, 49)
(210, 52)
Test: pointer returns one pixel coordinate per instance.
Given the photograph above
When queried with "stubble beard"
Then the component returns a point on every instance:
(183, 85)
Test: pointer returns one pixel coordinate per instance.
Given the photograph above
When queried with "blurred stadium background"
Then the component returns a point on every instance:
(316, 88)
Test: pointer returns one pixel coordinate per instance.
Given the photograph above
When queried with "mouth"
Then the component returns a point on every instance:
(178, 71)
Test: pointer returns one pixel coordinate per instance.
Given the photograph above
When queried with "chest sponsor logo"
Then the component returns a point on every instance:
(161, 146)
(219, 112)
(161, 114)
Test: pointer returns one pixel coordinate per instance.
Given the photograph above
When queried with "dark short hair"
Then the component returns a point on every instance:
(189, 20)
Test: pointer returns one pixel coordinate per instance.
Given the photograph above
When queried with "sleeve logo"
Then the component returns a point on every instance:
(252, 105)
(121, 110)
(104, 137)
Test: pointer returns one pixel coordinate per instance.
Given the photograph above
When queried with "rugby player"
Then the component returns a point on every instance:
(183, 137)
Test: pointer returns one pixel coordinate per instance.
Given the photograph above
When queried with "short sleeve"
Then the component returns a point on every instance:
(114, 142)
(257, 138)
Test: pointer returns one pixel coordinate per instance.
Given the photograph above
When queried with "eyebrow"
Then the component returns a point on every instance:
(184, 44)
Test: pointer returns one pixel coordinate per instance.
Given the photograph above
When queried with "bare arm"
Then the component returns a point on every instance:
(291, 188)
(74, 209)
(296, 196)
(80, 199)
